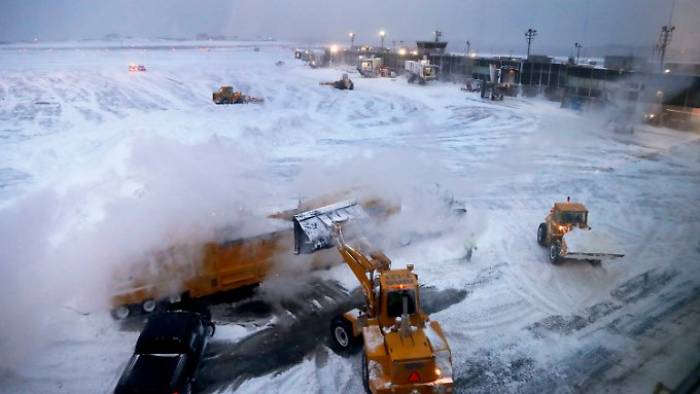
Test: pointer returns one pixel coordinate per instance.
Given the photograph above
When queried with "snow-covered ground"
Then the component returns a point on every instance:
(98, 165)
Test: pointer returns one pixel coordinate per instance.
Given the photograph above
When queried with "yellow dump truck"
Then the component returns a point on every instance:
(212, 268)
(193, 271)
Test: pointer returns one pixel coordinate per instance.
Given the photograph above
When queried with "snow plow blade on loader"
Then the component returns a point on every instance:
(567, 234)
(314, 230)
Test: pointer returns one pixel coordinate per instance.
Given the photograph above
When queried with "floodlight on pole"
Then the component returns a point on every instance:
(382, 33)
(530, 35)
(352, 40)
(664, 42)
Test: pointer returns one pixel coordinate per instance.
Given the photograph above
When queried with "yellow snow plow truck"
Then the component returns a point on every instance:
(403, 350)
(226, 95)
(567, 234)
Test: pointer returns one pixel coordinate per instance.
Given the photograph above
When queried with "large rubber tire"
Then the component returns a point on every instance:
(148, 306)
(342, 339)
(121, 312)
(211, 329)
(365, 373)
(555, 252)
(542, 234)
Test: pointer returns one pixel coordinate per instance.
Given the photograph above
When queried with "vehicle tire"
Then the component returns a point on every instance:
(555, 252)
(211, 329)
(342, 338)
(175, 298)
(542, 234)
(365, 373)
(121, 312)
(148, 306)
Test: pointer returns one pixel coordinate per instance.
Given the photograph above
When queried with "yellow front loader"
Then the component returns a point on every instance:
(403, 350)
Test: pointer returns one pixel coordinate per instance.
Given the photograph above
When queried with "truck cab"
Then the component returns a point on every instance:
(420, 71)
(564, 216)
(167, 354)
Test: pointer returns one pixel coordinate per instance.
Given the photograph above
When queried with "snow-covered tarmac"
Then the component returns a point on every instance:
(98, 165)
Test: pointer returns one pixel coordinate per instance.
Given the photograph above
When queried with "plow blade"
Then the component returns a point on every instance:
(315, 229)
(587, 256)
(587, 245)
(253, 100)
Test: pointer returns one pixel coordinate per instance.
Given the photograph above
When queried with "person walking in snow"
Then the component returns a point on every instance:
(469, 247)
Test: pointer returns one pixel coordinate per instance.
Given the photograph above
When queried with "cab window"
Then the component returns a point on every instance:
(395, 300)
(571, 217)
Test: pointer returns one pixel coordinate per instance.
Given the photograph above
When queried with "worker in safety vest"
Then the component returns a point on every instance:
(469, 247)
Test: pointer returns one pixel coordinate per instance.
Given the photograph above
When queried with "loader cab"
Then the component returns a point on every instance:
(572, 217)
(395, 300)
(226, 90)
(570, 214)
(399, 293)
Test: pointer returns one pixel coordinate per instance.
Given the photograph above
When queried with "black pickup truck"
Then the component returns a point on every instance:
(167, 354)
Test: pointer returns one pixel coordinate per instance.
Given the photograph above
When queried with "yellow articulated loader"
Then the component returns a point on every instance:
(226, 95)
(403, 350)
(568, 221)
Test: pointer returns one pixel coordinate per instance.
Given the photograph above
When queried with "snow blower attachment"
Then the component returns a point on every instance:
(403, 350)
(567, 234)
(226, 95)
(344, 83)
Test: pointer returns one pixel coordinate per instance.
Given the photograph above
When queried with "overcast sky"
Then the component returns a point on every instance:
(488, 24)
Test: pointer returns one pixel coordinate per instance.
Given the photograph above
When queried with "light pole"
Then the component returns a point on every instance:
(664, 41)
(530, 35)
(469, 46)
(382, 33)
(578, 47)
(352, 40)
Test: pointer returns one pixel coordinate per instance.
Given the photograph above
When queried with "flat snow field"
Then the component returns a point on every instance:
(98, 165)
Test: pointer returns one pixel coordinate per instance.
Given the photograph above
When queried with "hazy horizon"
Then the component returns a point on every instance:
(489, 27)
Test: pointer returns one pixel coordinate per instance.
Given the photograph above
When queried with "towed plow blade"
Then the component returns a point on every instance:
(593, 256)
(589, 246)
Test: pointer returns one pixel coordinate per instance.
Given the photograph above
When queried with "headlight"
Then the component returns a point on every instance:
(443, 363)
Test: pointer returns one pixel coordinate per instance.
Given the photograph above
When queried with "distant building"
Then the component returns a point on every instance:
(625, 63)
(539, 59)
(431, 47)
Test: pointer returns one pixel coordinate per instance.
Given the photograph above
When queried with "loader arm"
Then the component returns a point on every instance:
(363, 268)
